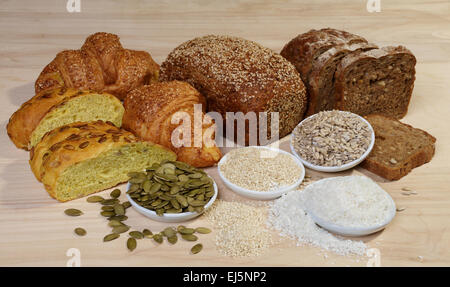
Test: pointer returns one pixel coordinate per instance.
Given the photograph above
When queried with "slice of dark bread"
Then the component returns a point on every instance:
(305, 48)
(378, 81)
(398, 148)
(321, 78)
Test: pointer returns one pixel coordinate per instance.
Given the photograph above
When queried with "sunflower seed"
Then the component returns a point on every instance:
(73, 212)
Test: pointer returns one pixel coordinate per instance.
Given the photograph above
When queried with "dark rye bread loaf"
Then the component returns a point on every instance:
(304, 49)
(378, 81)
(237, 75)
(321, 78)
(398, 148)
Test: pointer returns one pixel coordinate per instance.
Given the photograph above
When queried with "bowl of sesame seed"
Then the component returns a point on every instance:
(260, 172)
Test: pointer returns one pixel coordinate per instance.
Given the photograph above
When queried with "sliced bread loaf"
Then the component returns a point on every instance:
(304, 49)
(321, 78)
(376, 81)
(398, 148)
(81, 158)
(51, 109)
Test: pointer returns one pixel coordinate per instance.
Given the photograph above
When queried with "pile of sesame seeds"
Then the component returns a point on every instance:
(260, 169)
(240, 228)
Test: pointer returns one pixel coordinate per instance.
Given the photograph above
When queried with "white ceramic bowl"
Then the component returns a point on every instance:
(262, 195)
(171, 217)
(341, 167)
(354, 231)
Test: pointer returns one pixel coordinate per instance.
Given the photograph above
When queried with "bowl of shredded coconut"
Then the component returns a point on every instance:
(260, 172)
(349, 205)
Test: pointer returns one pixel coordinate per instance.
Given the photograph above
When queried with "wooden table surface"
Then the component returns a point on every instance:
(33, 228)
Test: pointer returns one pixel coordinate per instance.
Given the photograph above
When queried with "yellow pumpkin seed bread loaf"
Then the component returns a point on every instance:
(82, 158)
(51, 109)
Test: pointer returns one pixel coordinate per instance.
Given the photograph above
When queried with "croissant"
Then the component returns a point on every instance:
(150, 113)
(101, 65)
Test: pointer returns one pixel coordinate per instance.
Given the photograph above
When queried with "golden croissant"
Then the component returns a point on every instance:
(101, 65)
(155, 113)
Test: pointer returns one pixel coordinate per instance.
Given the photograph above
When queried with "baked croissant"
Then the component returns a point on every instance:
(150, 111)
(101, 65)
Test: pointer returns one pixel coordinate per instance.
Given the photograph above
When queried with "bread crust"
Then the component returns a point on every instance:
(101, 65)
(237, 75)
(23, 122)
(71, 144)
(420, 157)
(371, 55)
(149, 111)
(302, 50)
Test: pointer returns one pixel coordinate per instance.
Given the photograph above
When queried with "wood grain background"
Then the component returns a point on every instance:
(33, 228)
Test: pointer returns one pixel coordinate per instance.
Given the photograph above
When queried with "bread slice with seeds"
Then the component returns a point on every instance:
(81, 158)
(51, 109)
(398, 148)
(379, 81)
(322, 80)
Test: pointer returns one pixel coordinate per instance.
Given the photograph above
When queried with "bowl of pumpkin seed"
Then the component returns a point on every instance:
(171, 191)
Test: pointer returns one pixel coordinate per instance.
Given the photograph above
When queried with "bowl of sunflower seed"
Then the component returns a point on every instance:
(171, 191)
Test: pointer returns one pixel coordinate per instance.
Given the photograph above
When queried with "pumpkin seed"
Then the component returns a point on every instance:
(136, 234)
(120, 229)
(180, 227)
(131, 243)
(158, 238)
(73, 212)
(147, 232)
(118, 217)
(94, 198)
(107, 213)
(126, 204)
(115, 193)
(115, 223)
(189, 237)
(110, 201)
(172, 239)
(119, 209)
(196, 248)
(80, 231)
(169, 232)
(203, 230)
(187, 231)
(110, 237)
(107, 208)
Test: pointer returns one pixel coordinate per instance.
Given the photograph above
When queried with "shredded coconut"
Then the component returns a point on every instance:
(287, 215)
(349, 201)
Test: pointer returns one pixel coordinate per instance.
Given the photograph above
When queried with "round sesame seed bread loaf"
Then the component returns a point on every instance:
(237, 75)
(81, 158)
(150, 111)
(51, 109)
